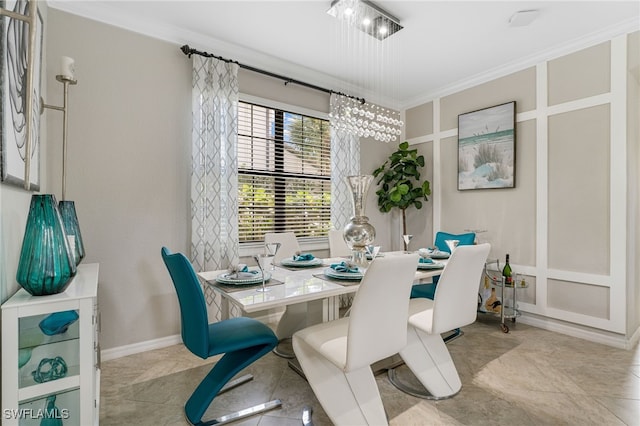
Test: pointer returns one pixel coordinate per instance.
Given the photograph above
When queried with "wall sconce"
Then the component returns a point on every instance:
(67, 208)
(366, 16)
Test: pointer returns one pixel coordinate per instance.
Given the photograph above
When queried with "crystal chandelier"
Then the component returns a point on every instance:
(366, 16)
(362, 119)
(364, 48)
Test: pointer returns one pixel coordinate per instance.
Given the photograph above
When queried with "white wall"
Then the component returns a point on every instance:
(128, 156)
(633, 144)
(14, 206)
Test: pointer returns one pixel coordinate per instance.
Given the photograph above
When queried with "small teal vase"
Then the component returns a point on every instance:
(46, 264)
(51, 415)
(72, 229)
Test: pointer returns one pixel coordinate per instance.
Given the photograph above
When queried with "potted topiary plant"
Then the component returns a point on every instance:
(399, 182)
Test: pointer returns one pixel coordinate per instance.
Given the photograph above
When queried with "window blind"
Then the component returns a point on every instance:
(284, 173)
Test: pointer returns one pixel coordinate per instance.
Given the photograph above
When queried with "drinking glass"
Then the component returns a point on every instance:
(452, 244)
(263, 260)
(272, 249)
(373, 251)
(407, 238)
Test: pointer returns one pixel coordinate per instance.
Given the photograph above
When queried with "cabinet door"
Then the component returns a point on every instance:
(50, 409)
(48, 348)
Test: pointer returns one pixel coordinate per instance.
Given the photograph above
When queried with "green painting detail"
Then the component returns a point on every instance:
(486, 148)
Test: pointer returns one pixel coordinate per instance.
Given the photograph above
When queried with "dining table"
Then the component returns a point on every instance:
(308, 295)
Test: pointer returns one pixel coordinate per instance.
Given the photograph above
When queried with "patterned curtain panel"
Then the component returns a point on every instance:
(214, 172)
(345, 161)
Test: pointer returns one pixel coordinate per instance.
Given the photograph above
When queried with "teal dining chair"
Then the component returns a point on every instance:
(466, 239)
(428, 290)
(242, 341)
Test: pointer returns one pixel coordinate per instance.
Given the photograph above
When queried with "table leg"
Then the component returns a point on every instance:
(330, 308)
(224, 308)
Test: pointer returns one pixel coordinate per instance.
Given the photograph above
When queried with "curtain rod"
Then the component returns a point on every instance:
(190, 51)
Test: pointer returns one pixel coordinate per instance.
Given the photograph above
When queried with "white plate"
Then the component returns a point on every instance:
(301, 263)
(332, 273)
(243, 278)
(434, 265)
(434, 254)
(439, 255)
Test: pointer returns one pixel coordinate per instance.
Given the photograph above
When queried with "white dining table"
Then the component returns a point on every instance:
(299, 288)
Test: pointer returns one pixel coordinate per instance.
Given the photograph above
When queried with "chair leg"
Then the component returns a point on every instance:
(223, 371)
(242, 414)
(428, 358)
(454, 335)
(350, 398)
(306, 416)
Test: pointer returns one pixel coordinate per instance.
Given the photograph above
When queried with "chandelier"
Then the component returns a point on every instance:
(366, 16)
(364, 48)
(362, 119)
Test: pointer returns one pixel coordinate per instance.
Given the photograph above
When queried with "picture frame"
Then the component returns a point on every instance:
(14, 51)
(486, 148)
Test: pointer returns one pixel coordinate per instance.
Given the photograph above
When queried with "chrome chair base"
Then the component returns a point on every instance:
(454, 335)
(282, 353)
(294, 364)
(306, 416)
(419, 393)
(246, 412)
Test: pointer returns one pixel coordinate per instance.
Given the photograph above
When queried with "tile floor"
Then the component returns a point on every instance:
(526, 377)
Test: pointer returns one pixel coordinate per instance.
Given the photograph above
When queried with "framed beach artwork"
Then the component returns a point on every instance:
(14, 51)
(486, 148)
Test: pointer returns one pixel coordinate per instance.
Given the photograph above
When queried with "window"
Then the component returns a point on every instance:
(284, 173)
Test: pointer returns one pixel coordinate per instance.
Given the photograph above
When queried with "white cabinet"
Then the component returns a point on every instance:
(50, 358)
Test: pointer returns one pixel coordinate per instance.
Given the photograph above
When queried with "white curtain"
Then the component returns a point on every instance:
(345, 161)
(214, 171)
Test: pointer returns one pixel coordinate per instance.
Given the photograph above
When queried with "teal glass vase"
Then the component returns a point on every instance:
(72, 229)
(46, 265)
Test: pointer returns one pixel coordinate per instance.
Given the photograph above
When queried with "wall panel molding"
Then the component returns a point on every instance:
(615, 281)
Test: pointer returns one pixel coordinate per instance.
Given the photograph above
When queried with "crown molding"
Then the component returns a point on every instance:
(101, 12)
(601, 36)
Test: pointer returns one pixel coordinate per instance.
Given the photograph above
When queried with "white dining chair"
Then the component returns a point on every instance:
(337, 246)
(336, 356)
(455, 304)
(288, 244)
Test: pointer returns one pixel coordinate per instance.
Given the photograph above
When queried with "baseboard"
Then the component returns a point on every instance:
(593, 335)
(163, 342)
(136, 348)
(635, 338)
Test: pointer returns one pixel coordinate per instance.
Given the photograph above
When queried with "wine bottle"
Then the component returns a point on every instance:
(507, 273)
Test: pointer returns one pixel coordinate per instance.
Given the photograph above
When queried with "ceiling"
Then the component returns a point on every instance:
(444, 45)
